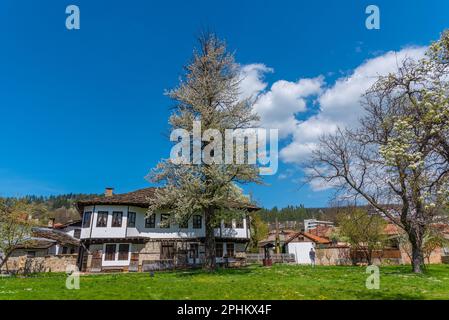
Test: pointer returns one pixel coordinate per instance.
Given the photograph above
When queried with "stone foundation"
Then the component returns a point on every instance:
(25, 265)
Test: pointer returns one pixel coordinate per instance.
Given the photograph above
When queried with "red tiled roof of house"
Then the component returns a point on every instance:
(314, 238)
(321, 231)
(284, 235)
(392, 229)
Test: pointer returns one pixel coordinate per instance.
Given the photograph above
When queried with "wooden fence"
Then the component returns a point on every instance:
(275, 257)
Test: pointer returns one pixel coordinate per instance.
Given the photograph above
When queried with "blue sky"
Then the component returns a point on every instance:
(85, 109)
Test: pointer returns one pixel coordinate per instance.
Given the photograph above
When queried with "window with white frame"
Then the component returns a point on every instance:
(150, 221)
(131, 219)
(86, 219)
(117, 217)
(116, 252)
(102, 219)
(197, 221)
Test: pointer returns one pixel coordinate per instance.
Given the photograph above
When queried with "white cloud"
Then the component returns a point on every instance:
(252, 79)
(340, 103)
(278, 107)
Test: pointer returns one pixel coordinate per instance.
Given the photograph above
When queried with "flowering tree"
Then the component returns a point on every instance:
(209, 93)
(365, 232)
(15, 226)
(397, 160)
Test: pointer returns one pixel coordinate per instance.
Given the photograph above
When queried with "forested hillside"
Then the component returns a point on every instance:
(60, 207)
(297, 213)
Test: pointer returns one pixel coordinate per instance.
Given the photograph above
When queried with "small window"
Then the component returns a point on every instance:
(239, 223)
(86, 219)
(110, 252)
(165, 220)
(219, 250)
(184, 224)
(193, 252)
(230, 249)
(77, 233)
(64, 250)
(228, 224)
(117, 217)
(167, 251)
(102, 219)
(150, 222)
(123, 251)
(197, 221)
(131, 219)
(31, 254)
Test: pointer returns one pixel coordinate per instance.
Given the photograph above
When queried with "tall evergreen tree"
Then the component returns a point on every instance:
(209, 93)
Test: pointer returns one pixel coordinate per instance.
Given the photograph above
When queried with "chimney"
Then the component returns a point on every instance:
(108, 192)
(51, 222)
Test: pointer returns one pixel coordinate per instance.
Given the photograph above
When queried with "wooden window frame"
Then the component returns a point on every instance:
(119, 258)
(100, 214)
(114, 218)
(86, 222)
(195, 221)
(106, 258)
(194, 251)
(230, 254)
(131, 223)
(227, 224)
(240, 223)
(219, 248)
(165, 221)
(150, 222)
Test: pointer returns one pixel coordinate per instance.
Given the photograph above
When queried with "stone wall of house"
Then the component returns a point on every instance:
(24, 264)
(435, 256)
(149, 251)
(343, 256)
(23, 252)
(333, 256)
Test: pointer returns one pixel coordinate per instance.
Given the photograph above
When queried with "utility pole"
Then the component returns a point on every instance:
(277, 241)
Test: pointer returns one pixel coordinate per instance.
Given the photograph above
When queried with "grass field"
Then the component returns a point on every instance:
(278, 282)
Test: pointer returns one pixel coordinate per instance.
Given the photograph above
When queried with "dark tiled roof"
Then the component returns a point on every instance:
(139, 198)
(60, 237)
(35, 243)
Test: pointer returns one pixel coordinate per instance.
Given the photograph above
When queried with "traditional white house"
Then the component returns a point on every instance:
(116, 234)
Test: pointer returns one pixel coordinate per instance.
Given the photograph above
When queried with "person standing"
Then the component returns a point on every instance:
(312, 257)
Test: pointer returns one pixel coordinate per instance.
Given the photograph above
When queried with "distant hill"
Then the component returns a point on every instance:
(292, 217)
(60, 207)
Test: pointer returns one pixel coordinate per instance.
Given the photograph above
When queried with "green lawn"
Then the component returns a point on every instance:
(277, 282)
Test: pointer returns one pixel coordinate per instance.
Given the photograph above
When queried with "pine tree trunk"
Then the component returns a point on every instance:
(209, 243)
